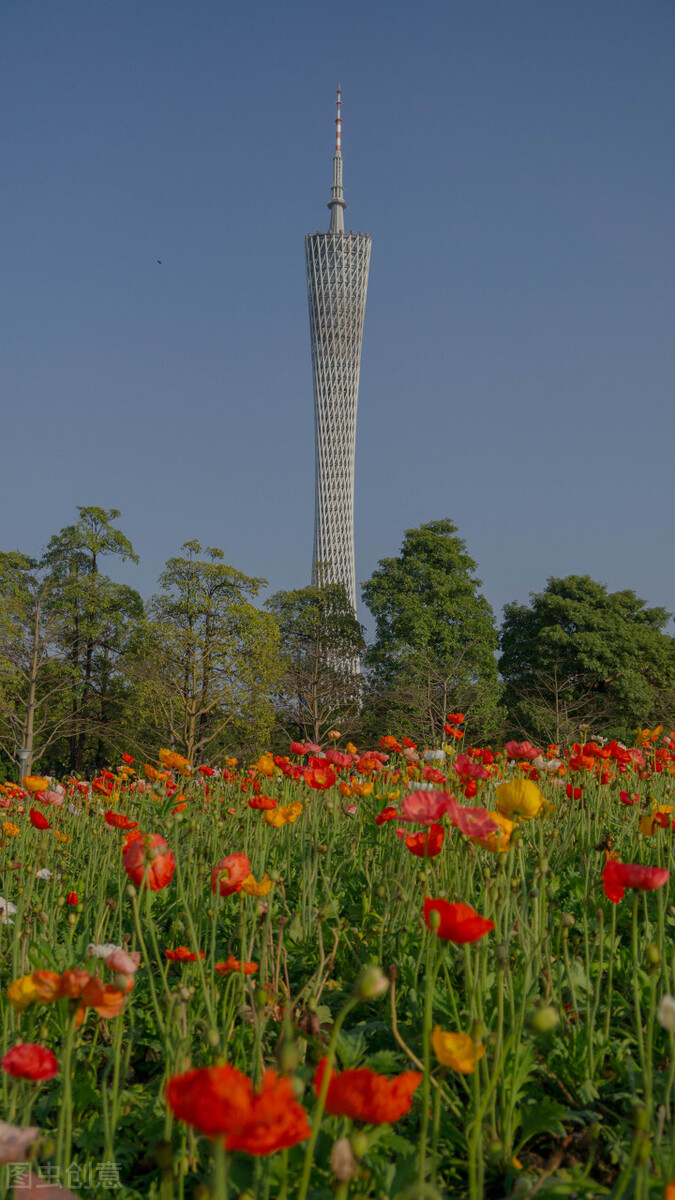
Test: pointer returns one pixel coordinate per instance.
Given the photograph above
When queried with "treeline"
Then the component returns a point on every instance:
(209, 668)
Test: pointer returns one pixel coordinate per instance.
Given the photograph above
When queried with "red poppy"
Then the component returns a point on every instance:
(426, 807)
(220, 1102)
(467, 769)
(37, 820)
(71, 898)
(232, 964)
(28, 1061)
(409, 744)
(299, 748)
(573, 793)
(630, 800)
(520, 750)
(228, 876)
(133, 836)
(182, 954)
(459, 923)
(118, 820)
(387, 814)
(364, 1095)
(433, 775)
(390, 743)
(101, 787)
(127, 758)
(320, 777)
(206, 771)
(455, 718)
(148, 861)
(424, 845)
(265, 802)
(339, 760)
(618, 876)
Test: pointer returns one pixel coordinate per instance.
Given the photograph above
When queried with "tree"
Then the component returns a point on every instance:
(436, 638)
(581, 655)
(321, 643)
(206, 659)
(96, 616)
(35, 678)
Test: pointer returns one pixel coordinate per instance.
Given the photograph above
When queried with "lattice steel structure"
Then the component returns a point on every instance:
(337, 280)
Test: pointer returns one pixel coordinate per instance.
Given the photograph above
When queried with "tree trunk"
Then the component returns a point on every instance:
(32, 688)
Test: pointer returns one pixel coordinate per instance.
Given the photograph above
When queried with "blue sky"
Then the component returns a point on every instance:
(513, 162)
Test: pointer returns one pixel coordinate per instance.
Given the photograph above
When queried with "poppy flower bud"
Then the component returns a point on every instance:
(260, 997)
(72, 919)
(164, 1155)
(131, 891)
(434, 921)
(380, 891)
(288, 1058)
(665, 1013)
(544, 1018)
(342, 1161)
(371, 983)
(213, 1038)
(641, 1118)
(476, 1031)
(495, 1151)
(533, 893)
(567, 920)
(359, 1143)
(502, 956)
(653, 954)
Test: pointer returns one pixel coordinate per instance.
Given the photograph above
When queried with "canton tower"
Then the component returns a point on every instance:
(337, 279)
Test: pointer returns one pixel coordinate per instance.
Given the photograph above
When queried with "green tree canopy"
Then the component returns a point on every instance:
(435, 637)
(96, 616)
(580, 655)
(321, 643)
(206, 660)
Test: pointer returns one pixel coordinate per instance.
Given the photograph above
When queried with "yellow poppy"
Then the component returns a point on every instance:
(22, 992)
(34, 784)
(10, 829)
(519, 798)
(265, 765)
(253, 888)
(499, 841)
(457, 1050)
(350, 748)
(174, 762)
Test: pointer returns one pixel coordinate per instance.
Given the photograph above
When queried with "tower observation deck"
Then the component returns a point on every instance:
(337, 280)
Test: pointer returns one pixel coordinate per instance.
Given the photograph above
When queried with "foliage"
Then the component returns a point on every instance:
(435, 638)
(206, 661)
(580, 655)
(95, 616)
(322, 643)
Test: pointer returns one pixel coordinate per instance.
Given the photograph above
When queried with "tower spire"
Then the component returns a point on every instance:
(337, 203)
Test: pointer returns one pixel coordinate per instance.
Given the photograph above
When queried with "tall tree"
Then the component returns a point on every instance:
(436, 638)
(207, 659)
(321, 642)
(35, 677)
(96, 616)
(579, 654)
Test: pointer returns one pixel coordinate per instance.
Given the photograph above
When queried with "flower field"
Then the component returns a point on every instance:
(398, 972)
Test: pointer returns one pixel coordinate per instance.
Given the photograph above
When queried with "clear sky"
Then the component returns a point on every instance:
(513, 162)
